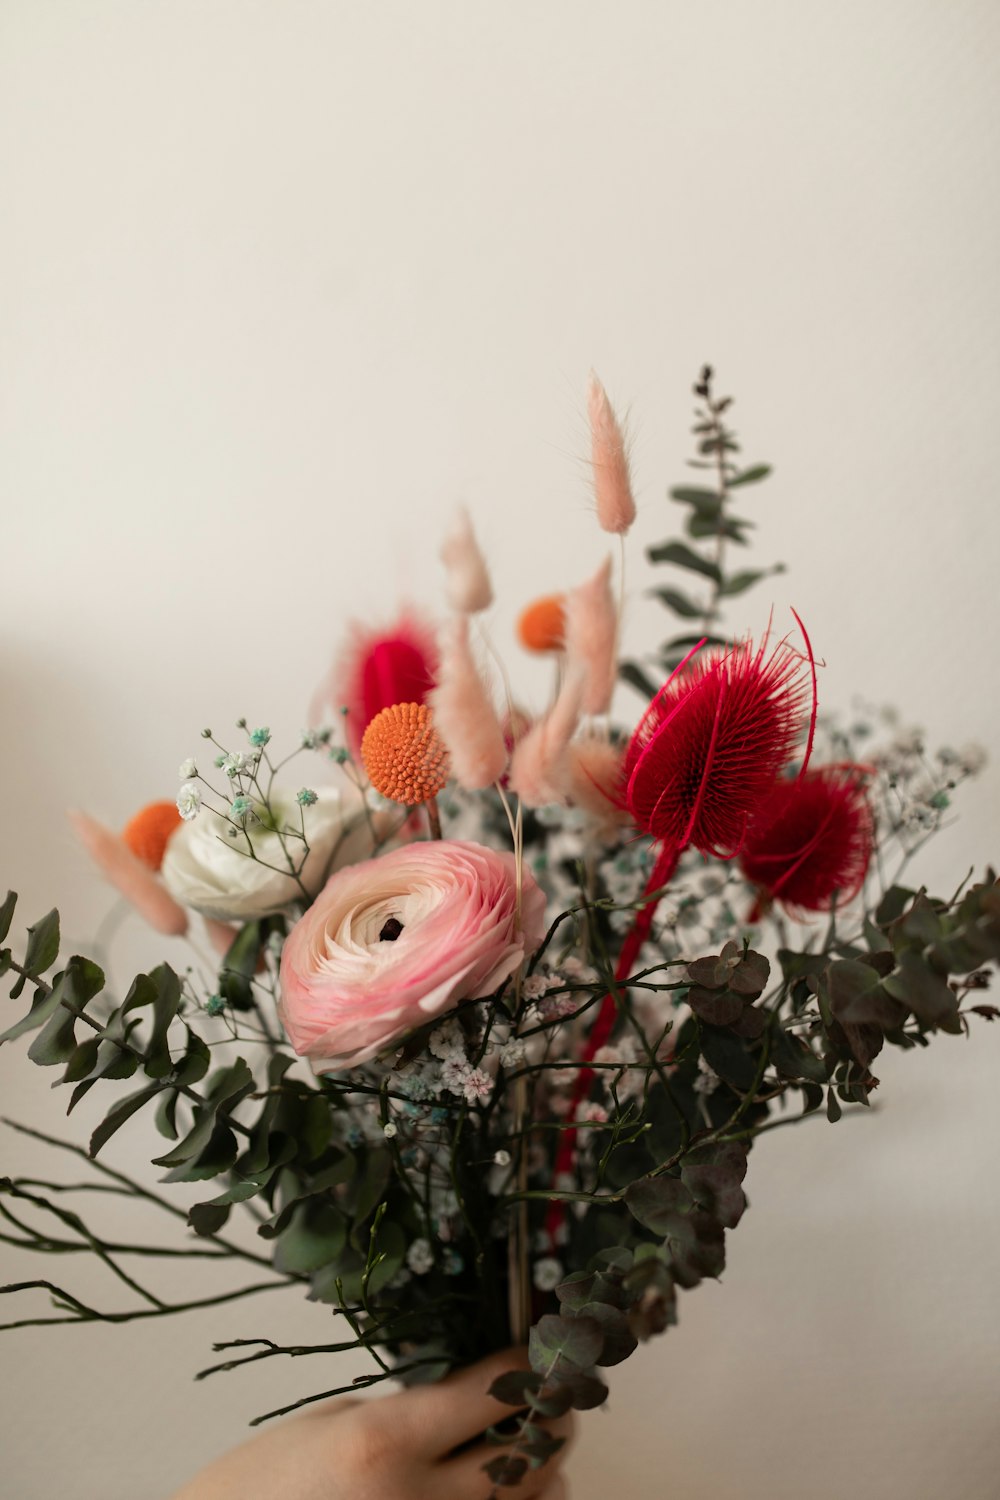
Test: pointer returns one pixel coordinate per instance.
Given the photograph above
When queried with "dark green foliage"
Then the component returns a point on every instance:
(668, 1173)
(709, 520)
(239, 965)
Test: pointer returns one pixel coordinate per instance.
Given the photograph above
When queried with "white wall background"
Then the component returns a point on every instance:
(280, 283)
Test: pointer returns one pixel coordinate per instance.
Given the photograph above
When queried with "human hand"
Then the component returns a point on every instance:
(398, 1447)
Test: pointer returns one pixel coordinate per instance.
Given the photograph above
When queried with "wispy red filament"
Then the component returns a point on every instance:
(811, 839)
(382, 668)
(713, 742)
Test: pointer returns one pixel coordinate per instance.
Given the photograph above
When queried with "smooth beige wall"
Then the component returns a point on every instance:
(280, 283)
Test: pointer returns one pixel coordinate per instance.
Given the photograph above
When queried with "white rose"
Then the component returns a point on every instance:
(210, 872)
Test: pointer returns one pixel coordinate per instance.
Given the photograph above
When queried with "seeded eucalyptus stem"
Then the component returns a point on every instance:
(525, 1421)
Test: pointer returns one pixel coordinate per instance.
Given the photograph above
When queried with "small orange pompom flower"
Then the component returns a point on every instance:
(542, 626)
(148, 833)
(403, 754)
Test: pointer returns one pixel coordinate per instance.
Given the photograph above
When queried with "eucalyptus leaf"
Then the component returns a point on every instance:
(7, 913)
(706, 502)
(751, 476)
(658, 1202)
(700, 525)
(166, 1001)
(684, 556)
(516, 1387)
(239, 966)
(315, 1237)
(56, 1042)
(688, 609)
(506, 1471)
(632, 673)
(556, 1341)
(619, 1340)
(119, 1113)
(914, 984)
(738, 583)
(43, 945)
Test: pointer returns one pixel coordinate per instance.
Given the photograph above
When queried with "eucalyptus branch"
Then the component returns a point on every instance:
(525, 1420)
(123, 1046)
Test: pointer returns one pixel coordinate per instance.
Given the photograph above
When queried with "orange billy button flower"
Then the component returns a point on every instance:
(403, 754)
(542, 626)
(148, 833)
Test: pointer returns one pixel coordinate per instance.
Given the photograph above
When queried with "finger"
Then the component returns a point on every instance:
(459, 1408)
(463, 1477)
(559, 1490)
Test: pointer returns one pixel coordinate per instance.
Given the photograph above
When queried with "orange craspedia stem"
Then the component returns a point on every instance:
(148, 833)
(542, 626)
(404, 755)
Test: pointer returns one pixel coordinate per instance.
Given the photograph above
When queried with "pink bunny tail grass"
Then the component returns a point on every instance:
(467, 586)
(612, 481)
(130, 877)
(592, 638)
(220, 934)
(539, 768)
(597, 781)
(464, 715)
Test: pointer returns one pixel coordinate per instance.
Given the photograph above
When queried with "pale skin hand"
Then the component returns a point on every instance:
(398, 1447)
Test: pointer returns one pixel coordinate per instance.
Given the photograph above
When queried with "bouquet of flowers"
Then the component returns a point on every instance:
(505, 996)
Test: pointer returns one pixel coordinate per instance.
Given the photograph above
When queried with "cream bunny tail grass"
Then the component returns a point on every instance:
(468, 586)
(612, 481)
(596, 781)
(592, 638)
(539, 768)
(465, 715)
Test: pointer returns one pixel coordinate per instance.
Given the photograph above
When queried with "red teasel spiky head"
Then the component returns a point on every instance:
(714, 741)
(811, 839)
(379, 668)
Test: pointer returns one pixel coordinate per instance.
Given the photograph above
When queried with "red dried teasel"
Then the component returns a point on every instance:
(811, 840)
(706, 755)
(714, 741)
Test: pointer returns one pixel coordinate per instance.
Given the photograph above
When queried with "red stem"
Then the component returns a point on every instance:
(666, 863)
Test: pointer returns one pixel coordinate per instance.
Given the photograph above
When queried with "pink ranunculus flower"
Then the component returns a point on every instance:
(391, 943)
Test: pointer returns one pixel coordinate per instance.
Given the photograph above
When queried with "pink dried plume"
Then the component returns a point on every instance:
(539, 768)
(130, 876)
(592, 638)
(468, 584)
(612, 481)
(397, 664)
(464, 713)
(596, 781)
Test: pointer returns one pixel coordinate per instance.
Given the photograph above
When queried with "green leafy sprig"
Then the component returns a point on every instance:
(710, 524)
